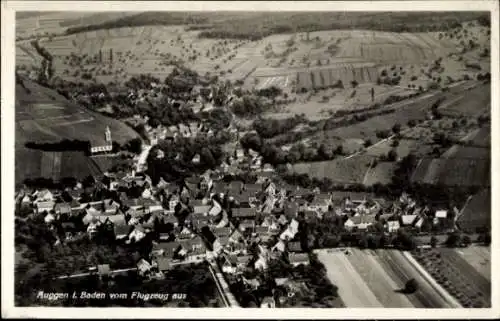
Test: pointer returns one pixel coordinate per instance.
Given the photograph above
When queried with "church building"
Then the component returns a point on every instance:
(104, 148)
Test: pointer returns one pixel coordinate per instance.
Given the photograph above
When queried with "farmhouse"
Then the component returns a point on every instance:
(360, 222)
(297, 259)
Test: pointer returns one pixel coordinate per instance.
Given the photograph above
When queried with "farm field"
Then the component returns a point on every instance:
(54, 165)
(481, 137)
(327, 101)
(352, 289)
(288, 60)
(470, 103)
(479, 257)
(404, 148)
(400, 269)
(454, 273)
(351, 170)
(378, 280)
(458, 151)
(476, 214)
(382, 174)
(453, 171)
(367, 129)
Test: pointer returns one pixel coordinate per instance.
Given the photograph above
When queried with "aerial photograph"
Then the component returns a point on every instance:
(244, 159)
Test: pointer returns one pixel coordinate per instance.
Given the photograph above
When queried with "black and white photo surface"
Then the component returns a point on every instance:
(253, 159)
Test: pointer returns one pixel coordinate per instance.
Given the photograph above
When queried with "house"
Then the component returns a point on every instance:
(45, 206)
(93, 226)
(280, 246)
(297, 259)
(360, 222)
(420, 222)
(261, 230)
(267, 168)
(216, 209)
(236, 237)
(291, 230)
(263, 177)
(49, 218)
(392, 226)
(103, 270)
(270, 188)
(185, 233)
(196, 159)
(196, 255)
(165, 249)
(321, 202)
(247, 225)
(229, 265)
(137, 234)
(283, 220)
(222, 231)
(408, 220)
(261, 263)
(242, 261)
(239, 154)
(244, 213)
(268, 302)
(173, 201)
(441, 214)
(269, 204)
(200, 206)
(110, 207)
(43, 196)
(121, 230)
(294, 247)
(311, 215)
(62, 209)
(143, 267)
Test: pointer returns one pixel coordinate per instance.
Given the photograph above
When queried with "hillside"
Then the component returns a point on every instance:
(44, 116)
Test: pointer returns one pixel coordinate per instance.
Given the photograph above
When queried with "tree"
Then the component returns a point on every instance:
(434, 241)
(134, 145)
(392, 155)
(411, 286)
(88, 181)
(396, 129)
(466, 240)
(325, 152)
(453, 239)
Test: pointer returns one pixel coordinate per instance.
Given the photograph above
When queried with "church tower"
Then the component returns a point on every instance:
(108, 135)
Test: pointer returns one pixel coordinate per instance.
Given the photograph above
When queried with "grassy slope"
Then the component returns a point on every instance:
(42, 115)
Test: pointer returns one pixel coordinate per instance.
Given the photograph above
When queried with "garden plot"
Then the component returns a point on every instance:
(346, 171)
(457, 276)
